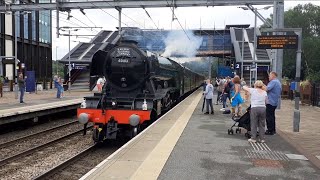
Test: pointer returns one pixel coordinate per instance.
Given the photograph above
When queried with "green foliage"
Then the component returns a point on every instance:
(1, 80)
(306, 17)
(57, 66)
(314, 76)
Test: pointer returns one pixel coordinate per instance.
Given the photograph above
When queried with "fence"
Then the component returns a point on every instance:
(309, 94)
(316, 94)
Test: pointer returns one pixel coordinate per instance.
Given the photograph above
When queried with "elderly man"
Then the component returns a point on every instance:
(274, 91)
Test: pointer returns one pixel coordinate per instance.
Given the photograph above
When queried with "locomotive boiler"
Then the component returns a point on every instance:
(139, 87)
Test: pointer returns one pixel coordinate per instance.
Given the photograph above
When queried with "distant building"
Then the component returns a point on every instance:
(33, 30)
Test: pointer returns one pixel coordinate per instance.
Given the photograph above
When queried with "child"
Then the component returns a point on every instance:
(61, 87)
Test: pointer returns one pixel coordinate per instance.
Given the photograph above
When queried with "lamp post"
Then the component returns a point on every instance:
(16, 55)
(57, 59)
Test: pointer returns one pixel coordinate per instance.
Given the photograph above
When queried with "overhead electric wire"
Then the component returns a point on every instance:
(150, 18)
(91, 21)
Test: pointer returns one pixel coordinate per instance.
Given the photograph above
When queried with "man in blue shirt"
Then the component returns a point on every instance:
(274, 92)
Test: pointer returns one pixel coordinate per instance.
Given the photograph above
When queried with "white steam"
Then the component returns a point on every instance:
(178, 44)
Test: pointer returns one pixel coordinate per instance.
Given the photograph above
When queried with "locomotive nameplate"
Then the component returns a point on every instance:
(123, 55)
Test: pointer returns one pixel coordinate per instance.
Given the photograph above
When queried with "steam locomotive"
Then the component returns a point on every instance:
(139, 87)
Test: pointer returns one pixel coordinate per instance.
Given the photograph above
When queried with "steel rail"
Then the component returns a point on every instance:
(30, 151)
(37, 133)
(65, 164)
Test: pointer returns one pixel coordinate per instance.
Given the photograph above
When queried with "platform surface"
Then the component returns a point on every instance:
(186, 144)
(44, 100)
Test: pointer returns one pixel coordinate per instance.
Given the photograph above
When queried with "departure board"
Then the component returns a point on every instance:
(277, 42)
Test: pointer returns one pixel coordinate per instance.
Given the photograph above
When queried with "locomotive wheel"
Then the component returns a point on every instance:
(95, 135)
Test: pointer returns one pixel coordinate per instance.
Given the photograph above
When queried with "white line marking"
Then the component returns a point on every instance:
(296, 157)
(252, 144)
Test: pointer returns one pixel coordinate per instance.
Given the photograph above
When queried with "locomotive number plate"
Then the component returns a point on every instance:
(125, 61)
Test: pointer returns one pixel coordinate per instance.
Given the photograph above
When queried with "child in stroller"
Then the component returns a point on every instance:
(243, 121)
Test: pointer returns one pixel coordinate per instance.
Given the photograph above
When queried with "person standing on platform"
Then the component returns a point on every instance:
(57, 85)
(220, 84)
(258, 110)
(22, 86)
(61, 87)
(100, 83)
(226, 92)
(236, 99)
(274, 91)
(209, 96)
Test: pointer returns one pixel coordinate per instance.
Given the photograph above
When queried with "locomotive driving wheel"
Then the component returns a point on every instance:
(97, 135)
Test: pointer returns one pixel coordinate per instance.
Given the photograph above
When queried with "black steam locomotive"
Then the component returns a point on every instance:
(140, 86)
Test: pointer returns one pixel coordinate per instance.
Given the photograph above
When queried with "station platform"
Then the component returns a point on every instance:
(36, 105)
(187, 144)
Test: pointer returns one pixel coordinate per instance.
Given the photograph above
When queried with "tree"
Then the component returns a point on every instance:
(306, 17)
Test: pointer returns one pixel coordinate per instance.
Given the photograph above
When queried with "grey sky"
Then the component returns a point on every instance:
(210, 17)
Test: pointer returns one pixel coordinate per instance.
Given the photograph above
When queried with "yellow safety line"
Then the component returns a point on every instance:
(154, 163)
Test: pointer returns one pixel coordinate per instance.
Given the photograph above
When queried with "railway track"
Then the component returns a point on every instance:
(81, 163)
(36, 134)
(25, 145)
(33, 162)
(38, 147)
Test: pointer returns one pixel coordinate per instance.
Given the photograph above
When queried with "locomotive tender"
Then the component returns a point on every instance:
(139, 87)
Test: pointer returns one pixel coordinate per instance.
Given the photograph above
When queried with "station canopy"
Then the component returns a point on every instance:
(97, 4)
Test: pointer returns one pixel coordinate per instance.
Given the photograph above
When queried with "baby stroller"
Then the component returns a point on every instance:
(244, 122)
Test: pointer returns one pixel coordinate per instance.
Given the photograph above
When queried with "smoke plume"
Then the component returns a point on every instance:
(178, 44)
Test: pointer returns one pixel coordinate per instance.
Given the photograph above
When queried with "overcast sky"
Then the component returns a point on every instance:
(190, 18)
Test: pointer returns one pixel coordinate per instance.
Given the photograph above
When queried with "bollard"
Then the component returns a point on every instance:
(296, 120)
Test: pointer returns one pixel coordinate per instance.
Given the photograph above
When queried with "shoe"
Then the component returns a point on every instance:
(252, 140)
(262, 141)
(212, 112)
(21, 102)
(223, 109)
(216, 103)
(206, 113)
(269, 133)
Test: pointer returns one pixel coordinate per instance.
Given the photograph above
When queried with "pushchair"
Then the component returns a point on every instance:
(243, 121)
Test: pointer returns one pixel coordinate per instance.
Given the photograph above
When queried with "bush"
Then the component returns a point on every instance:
(313, 76)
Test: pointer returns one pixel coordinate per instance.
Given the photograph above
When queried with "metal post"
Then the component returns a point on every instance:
(275, 26)
(280, 17)
(15, 55)
(296, 114)
(242, 52)
(254, 74)
(210, 64)
(119, 9)
(57, 59)
(69, 66)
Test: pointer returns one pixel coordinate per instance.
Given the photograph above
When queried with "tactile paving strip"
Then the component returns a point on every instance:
(263, 152)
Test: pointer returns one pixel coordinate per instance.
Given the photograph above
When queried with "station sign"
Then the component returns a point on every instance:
(277, 42)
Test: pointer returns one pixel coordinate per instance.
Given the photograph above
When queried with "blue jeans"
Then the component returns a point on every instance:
(21, 94)
(58, 92)
(225, 96)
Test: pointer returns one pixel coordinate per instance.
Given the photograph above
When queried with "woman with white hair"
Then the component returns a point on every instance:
(258, 110)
